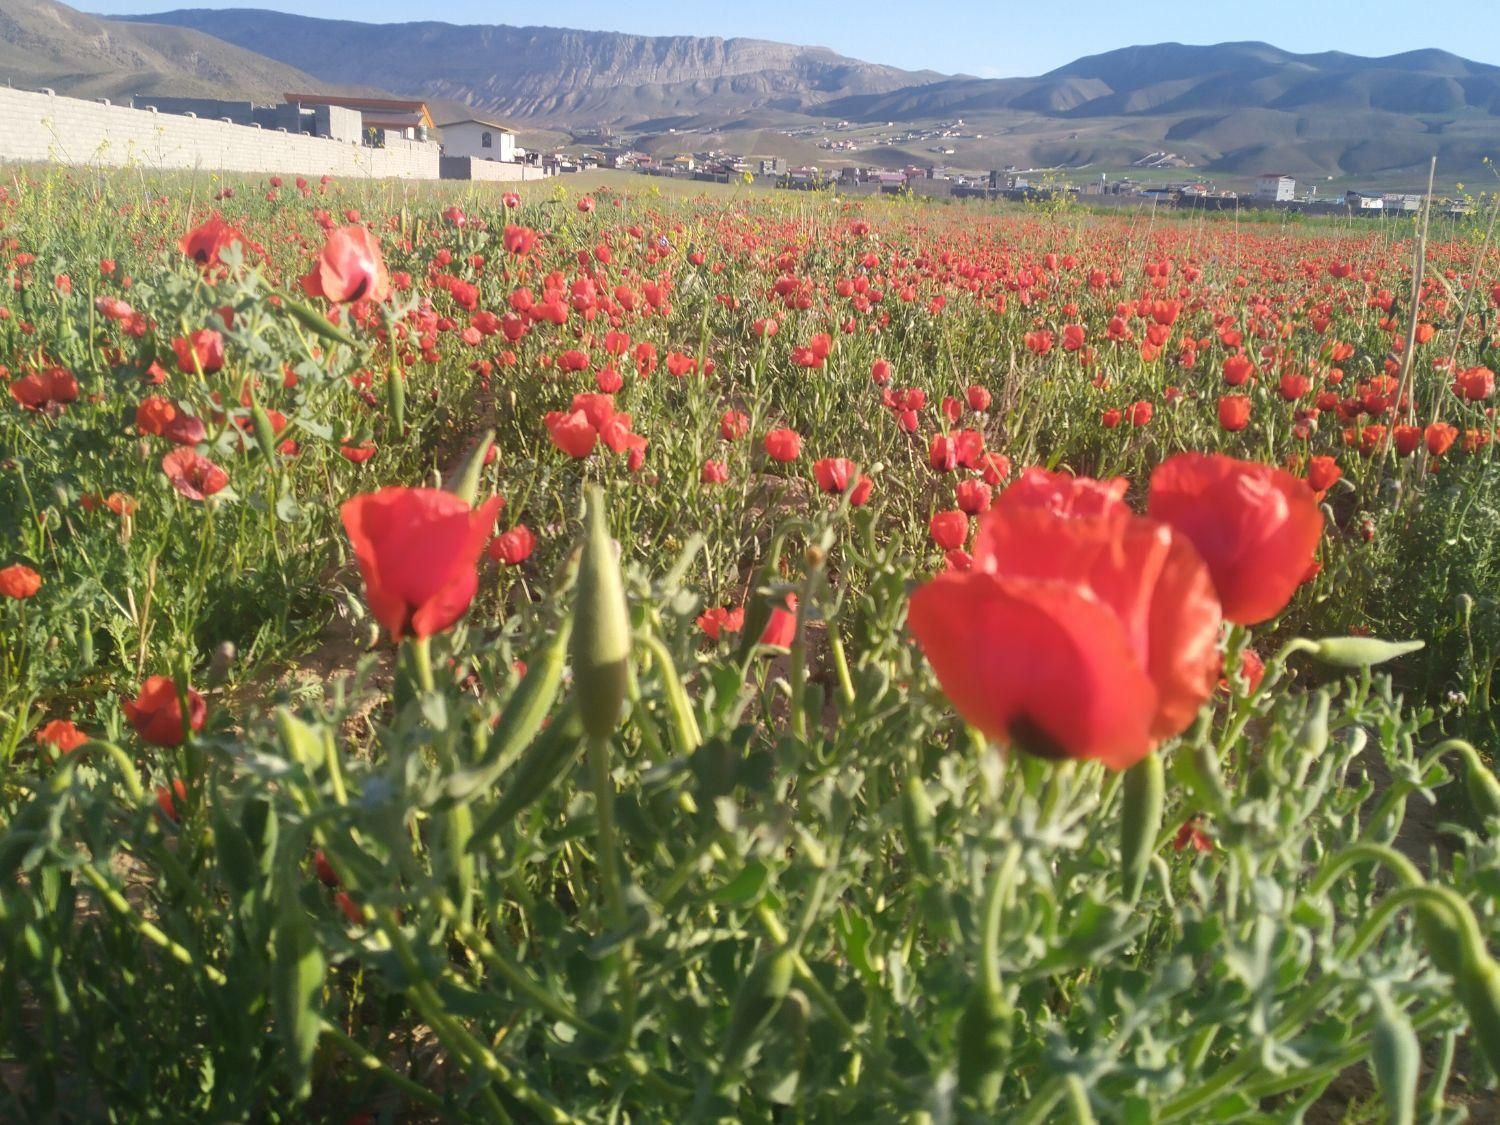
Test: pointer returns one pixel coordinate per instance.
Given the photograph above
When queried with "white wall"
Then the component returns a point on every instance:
(36, 126)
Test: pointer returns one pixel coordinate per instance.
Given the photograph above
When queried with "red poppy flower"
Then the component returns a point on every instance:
(1323, 473)
(156, 712)
(42, 389)
(718, 620)
(1234, 412)
(973, 496)
(358, 454)
(1080, 636)
(185, 429)
(733, 425)
(995, 467)
(349, 268)
(351, 910)
(783, 445)
(154, 414)
(1252, 670)
(833, 474)
(513, 547)
(942, 453)
(861, 494)
(572, 433)
(815, 352)
(573, 360)
(518, 240)
(599, 409)
(1475, 384)
(165, 802)
(122, 504)
(1190, 835)
(203, 349)
(325, 872)
(949, 530)
(192, 474)
(1238, 369)
(1439, 437)
(1256, 527)
(1294, 386)
(781, 629)
(979, 399)
(19, 582)
(204, 243)
(62, 735)
(417, 550)
(1065, 495)
(713, 472)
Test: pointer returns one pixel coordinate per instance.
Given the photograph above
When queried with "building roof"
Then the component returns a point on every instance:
(377, 112)
(1275, 175)
(477, 121)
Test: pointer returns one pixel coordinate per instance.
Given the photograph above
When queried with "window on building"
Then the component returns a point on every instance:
(484, 140)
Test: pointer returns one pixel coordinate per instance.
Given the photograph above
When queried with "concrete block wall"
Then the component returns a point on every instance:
(46, 127)
(468, 168)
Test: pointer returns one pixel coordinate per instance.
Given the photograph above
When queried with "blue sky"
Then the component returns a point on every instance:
(991, 38)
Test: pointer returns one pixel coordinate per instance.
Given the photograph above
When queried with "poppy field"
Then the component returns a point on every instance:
(606, 657)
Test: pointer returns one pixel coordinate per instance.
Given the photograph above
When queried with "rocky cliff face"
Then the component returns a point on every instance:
(552, 73)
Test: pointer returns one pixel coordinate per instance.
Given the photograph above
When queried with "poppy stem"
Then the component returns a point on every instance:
(604, 802)
(421, 658)
(996, 893)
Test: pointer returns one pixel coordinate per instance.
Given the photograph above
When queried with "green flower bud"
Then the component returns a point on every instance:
(1145, 790)
(466, 481)
(1361, 652)
(601, 626)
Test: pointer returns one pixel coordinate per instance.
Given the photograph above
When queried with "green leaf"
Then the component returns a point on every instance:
(746, 888)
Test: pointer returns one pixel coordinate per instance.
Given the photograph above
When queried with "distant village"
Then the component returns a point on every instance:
(1272, 190)
(482, 148)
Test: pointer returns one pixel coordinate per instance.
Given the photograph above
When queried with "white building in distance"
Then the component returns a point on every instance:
(1275, 186)
(480, 139)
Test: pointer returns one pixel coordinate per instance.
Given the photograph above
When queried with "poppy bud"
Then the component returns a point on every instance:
(466, 481)
(1479, 990)
(983, 1044)
(1144, 794)
(916, 820)
(265, 433)
(601, 632)
(395, 400)
(1361, 652)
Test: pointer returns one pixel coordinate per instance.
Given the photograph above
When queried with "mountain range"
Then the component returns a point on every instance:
(1230, 109)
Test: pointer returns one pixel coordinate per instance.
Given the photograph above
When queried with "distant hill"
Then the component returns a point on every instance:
(43, 43)
(554, 74)
(1170, 78)
(1232, 108)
